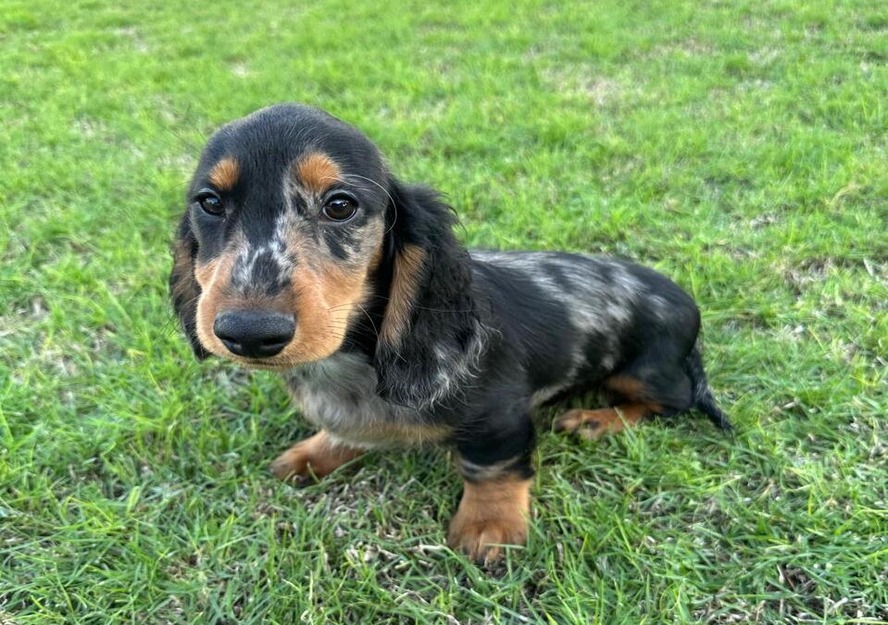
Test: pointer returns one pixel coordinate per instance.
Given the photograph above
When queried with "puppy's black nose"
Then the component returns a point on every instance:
(254, 333)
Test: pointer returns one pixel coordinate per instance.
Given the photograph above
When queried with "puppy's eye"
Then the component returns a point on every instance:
(340, 208)
(210, 203)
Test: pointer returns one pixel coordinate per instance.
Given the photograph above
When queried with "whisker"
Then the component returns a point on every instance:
(370, 319)
(373, 182)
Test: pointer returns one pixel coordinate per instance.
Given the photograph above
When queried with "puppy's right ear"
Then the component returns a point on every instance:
(184, 289)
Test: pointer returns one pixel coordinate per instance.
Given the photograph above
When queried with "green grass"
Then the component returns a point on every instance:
(738, 146)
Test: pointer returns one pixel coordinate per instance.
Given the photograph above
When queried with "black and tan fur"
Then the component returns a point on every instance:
(300, 252)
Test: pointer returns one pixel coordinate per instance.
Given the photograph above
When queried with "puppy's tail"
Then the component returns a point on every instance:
(702, 394)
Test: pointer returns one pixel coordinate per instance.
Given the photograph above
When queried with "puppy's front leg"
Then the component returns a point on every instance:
(495, 506)
(316, 456)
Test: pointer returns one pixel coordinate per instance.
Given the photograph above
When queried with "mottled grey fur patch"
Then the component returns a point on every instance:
(600, 295)
(596, 299)
(338, 394)
(458, 367)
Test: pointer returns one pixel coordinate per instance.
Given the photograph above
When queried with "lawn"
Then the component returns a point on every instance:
(737, 146)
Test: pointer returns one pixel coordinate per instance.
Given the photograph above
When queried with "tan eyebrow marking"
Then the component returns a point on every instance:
(224, 174)
(317, 172)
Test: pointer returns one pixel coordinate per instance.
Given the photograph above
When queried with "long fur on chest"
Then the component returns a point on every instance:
(338, 394)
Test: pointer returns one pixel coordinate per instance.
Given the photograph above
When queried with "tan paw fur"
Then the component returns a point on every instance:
(593, 424)
(314, 457)
(491, 514)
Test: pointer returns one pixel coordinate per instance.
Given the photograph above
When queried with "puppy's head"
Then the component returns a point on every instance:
(293, 229)
(284, 224)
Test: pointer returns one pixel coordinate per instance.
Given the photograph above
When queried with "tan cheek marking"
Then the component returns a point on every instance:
(491, 513)
(224, 174)
(212, 277)
(324, 302)
(204, 273)
(325, 296)
(317, 172)
(405, 281)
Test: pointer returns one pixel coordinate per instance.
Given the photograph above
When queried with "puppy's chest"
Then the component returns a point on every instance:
(338, 394)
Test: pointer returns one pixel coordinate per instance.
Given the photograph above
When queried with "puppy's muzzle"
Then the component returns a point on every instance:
(254, 333)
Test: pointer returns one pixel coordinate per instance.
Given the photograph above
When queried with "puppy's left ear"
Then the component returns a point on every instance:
(184, 289)
(432, 334)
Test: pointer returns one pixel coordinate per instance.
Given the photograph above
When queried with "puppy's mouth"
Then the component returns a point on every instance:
(274, 363)
(256, 363)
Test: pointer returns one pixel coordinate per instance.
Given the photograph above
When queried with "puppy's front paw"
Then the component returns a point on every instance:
(482, 539)
(312, 458)
(491, 514)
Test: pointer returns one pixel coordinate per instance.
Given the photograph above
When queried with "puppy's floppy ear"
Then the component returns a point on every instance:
(432, 334)
(184, 289)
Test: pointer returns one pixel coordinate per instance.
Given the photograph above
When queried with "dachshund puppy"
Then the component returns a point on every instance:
(300, 252)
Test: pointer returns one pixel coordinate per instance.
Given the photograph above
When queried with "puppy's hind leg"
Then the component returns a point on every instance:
(632, 400)
(663, 386)
(592, 424)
